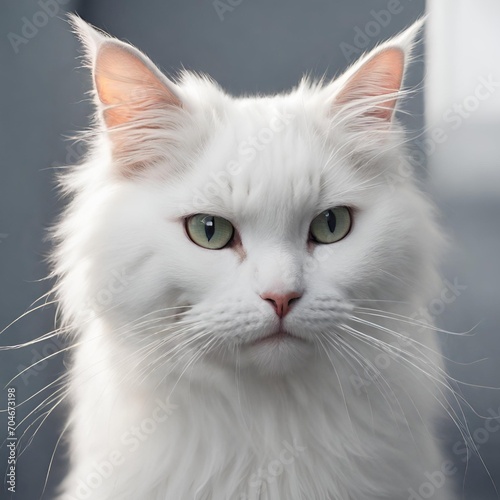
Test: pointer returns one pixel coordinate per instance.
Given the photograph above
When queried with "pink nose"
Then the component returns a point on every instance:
(281, 303)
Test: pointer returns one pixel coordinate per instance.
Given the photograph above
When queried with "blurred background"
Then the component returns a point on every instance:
(252, 46)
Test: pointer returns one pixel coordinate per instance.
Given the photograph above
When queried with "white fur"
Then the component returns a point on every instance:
(124, 259)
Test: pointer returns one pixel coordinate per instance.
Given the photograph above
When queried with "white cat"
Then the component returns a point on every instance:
(240, 277)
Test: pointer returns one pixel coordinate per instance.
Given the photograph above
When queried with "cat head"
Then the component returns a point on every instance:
(240, 231)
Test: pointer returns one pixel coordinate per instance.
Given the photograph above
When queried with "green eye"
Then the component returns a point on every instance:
(209, 231)
(331, 225)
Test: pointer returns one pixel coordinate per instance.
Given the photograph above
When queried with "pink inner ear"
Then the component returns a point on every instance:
(128, 85)
(380, 75)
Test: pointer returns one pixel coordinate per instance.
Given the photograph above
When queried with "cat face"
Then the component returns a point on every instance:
(247, 228)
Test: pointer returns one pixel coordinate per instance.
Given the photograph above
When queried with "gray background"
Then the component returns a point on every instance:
(259, 46)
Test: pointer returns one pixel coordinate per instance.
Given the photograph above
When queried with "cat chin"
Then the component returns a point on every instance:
(276, 356)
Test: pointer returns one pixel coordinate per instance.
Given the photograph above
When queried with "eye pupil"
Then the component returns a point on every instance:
(209, 227)
(331, 225)
(209, 231)
(331, 220)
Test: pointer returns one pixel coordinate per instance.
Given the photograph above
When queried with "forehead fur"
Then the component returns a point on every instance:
(271, 155)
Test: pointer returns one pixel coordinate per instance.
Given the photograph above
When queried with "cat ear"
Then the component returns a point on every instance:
(132, 95)
(127, 84)
(372, 86)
